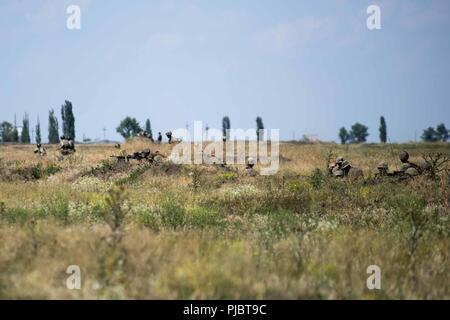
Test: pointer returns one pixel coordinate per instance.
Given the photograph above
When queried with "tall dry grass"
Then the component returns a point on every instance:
(207, 232)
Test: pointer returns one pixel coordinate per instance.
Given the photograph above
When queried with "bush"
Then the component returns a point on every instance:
(172, 214)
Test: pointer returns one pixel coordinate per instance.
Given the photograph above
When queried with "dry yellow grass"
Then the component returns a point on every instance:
(205, 232)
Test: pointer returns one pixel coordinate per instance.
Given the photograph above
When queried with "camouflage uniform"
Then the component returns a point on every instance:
(40, 150)
(342, 168)
(169, 136)
(249, 171)
(383, 169)
(408, 168)
(67, 146)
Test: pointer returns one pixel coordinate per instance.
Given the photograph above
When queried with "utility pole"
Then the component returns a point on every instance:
(104, 133)
(206, 132)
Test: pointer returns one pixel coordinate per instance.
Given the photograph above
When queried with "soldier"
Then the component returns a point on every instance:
(40, 150)
(67, 146)
(383, 169)
(342, 168)
(409, 168)
(117, 146)
(335, 169)
(159, 137)
(62, 140)
(169, 136)
(71, 144)
(249, 171)
(143, 134)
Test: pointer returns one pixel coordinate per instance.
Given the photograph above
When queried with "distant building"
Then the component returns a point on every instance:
(311, 138)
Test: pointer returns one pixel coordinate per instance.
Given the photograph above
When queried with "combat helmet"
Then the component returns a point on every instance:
(383, 165)
(404, 156)
(251, 162)
(339, 159)
(345, 164)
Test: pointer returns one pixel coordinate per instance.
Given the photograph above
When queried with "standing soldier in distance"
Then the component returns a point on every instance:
(159, 137)
(169, 136)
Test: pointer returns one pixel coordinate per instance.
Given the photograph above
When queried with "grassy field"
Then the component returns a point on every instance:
(175, 232)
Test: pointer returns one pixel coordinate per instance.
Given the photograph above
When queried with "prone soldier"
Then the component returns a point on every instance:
(343, 168)
(409, 168)
(249, 171)
(145, 154)
(40, 150)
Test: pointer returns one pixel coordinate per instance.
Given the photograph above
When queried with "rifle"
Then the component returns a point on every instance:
(122, 158)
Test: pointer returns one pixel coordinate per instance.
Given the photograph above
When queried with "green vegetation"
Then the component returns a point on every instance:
(202, 232)
(128, 127)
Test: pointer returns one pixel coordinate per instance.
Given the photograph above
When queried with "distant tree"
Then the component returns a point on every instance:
(148, 129)
(383, 130)
(15, 135)
(128, 127)
(38, 132)
(259, 128)
(344, 136)
(430, 135)
(358, 133)
(6, 131)
(226, 126)
(53, 130)
(68, 125)
(442, 132)
(25, 135)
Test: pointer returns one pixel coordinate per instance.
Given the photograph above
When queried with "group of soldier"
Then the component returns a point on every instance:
(343, 168)
(340, 168)
(143, 155)
(67, 146)
(145, 134)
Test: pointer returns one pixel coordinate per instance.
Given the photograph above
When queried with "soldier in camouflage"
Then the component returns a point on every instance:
(169, 136)
(408, 168)
(249, 171)
(159, 137)
(40, 150)
(343, 168)
(383, 169)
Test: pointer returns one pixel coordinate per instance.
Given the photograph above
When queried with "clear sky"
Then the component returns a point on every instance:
(307, 67)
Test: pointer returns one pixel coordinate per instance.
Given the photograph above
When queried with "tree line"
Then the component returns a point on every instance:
(10, 132)
(358, 133)
(130, 127)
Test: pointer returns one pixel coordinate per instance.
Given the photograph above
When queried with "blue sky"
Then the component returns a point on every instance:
(307, 67)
